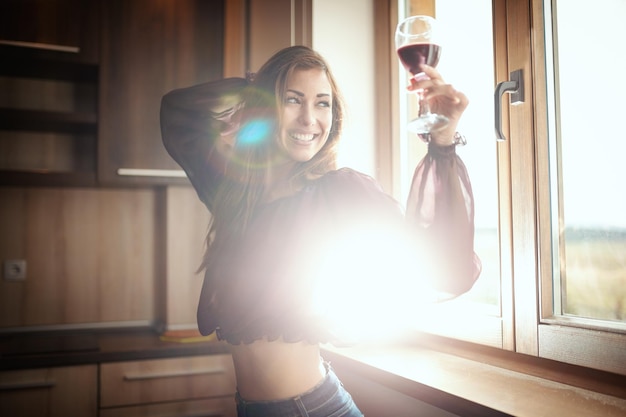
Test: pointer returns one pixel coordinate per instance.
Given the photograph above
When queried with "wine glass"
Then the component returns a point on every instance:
(417, 44)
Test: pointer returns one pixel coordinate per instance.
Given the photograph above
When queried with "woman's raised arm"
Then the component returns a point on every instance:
(198, 125)
(440, 211)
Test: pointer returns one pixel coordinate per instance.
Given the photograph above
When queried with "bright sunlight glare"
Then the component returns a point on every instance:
(366, 287)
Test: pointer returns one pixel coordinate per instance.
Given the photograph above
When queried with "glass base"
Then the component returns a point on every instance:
(427, 123)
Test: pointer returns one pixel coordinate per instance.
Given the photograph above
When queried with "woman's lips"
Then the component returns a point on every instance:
(302, 137)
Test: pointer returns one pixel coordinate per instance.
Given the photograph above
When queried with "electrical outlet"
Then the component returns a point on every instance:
(14, 270)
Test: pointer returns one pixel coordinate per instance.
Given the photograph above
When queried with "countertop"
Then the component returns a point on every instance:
(65, 348)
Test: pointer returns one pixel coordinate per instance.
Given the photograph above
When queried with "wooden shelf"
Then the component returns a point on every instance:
(45, 121)
(28, 63)
(69, 76)
(47, 179)
(85, 87)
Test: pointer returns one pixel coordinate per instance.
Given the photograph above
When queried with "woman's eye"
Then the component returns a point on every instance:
(292, 100)
(324, 104)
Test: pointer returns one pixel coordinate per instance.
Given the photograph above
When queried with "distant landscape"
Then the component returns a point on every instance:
(595, 273)
(593, 277)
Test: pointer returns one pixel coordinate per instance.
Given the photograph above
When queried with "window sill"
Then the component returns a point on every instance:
(480, 381)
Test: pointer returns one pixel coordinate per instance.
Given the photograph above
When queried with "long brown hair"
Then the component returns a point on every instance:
(242, 187)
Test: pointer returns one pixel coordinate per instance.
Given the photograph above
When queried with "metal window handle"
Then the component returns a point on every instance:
(516, 87)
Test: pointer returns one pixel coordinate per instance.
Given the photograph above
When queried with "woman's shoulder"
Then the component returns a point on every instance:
(350, 178)
(349, 186)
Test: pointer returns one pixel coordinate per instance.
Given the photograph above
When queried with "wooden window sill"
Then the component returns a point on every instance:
(472, 387)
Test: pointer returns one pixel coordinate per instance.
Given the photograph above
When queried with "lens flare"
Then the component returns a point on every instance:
(254, 132)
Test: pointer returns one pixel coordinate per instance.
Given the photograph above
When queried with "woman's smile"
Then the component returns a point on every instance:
(307, 114)
(303, 137)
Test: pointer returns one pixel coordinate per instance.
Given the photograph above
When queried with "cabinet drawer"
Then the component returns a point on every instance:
(151, 381)
(64, 391)
(215, 407)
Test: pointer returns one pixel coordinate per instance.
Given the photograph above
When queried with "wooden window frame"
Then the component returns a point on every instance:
(526, 325)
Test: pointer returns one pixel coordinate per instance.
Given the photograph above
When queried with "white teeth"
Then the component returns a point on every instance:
(302, 137)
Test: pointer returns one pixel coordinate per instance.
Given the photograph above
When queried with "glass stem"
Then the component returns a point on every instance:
(424, 107)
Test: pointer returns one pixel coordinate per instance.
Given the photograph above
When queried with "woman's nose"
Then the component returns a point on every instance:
(307, 118)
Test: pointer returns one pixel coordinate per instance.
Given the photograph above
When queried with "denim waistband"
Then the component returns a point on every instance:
(311, 399)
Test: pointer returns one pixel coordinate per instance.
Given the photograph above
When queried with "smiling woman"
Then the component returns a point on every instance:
(300, 252)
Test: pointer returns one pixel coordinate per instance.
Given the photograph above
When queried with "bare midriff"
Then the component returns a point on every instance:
(276, 370)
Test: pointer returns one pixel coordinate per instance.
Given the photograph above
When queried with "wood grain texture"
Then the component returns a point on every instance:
(235, 38)
(273, 26)
(64, 391)
(66, 23)
(148, 49)
(217, 407)
(471, 388)
(187, 223)
(90, 255)
(523, 174)
(154, 381)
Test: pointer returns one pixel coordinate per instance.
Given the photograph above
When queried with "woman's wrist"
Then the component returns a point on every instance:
(457, 139)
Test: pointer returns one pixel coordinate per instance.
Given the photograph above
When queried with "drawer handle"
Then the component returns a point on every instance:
(138, 172)
(173, 374)
(44, 46)
(27, 385)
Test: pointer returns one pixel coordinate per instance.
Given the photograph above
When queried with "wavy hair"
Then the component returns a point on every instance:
(242, 188)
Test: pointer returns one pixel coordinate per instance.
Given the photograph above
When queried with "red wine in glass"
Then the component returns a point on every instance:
(417, 43)
(413, 56)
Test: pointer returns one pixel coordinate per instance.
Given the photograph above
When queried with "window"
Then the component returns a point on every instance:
(586, 191)
(550, 225)
(471, 70)
(583, 297)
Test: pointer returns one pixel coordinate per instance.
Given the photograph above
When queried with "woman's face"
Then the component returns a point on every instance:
(307, 114)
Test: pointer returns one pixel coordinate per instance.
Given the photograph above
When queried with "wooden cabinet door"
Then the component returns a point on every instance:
(49, 392)
(150, 47)
(160, 380)
(64, 29)
(212, 407)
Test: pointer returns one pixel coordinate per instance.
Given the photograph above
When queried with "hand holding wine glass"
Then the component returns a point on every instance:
(417, 44)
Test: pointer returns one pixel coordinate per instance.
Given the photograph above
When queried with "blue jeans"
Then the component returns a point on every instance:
(327, 399)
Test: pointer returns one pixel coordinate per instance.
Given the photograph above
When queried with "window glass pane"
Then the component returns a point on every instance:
(467, 63)
(588, 187)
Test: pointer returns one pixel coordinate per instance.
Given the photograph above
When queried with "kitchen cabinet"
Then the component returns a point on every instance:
(64, 30)
(149, 48)
(194, 385)
(49, 392)
(48, 78)
(85, 80)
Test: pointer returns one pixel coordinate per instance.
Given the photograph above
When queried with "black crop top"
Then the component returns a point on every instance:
(270, 283)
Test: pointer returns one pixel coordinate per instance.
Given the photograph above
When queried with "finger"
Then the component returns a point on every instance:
(420, 82)
(448, 92)
(427, 79)
(431, 72)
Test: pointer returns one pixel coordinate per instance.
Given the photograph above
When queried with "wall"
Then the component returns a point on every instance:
(343, 31)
